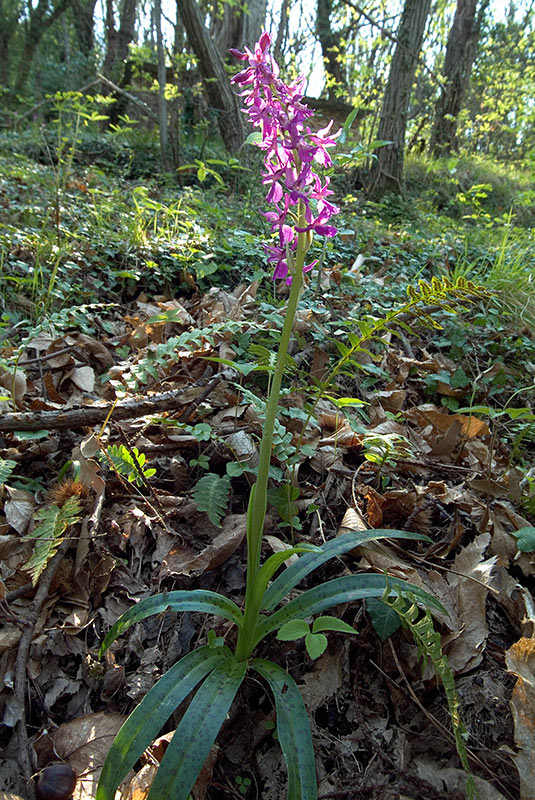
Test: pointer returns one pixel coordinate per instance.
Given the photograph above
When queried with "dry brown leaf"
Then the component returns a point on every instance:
(84, 744)
(15, 384)
(324, 681)
(454, 779)
(352, 521)
(98, 350)
(19, 509)
(520, 660)
(51, 392)
(466, 651)
(182, 562)
(83, 378)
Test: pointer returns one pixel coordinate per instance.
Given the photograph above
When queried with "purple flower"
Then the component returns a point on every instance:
(291, 149)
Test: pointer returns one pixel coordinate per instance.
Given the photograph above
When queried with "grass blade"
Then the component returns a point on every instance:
(197, 731)
(293, 729)
(145, 722)
(311, 561)
(181, 600)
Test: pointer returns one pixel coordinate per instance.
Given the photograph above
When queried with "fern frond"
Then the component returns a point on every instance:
(429, 646)
(211, 494)
(6, 468)
(53, 521)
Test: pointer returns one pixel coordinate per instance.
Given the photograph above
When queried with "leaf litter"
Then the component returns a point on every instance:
(380, 724)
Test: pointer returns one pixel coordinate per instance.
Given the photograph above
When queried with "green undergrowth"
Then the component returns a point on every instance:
(73, 244)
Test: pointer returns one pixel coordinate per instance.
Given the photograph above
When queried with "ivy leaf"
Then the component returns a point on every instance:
(384, 619)
(526, 539)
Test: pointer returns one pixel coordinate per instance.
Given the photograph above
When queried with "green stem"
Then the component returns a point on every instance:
(256, 512)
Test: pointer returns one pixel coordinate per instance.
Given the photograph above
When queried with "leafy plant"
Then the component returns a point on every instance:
(405, 605)
(129, 463)
(6, 468)
(48, 534)
(315, 639)
(385, 450)
(213, 673)
(211, 494)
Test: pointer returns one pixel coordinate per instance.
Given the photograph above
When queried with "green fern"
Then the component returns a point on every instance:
(430, 647)
(6, 468)
(53, 521)
(212, 495)
(130, 464)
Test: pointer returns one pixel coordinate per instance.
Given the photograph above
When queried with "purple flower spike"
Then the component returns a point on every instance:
(290, 150)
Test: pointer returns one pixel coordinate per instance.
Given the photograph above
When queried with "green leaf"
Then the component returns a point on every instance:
(144, 723)
(180, 600)
(316, 644)
(271, 565)
(197, 731)
(211, 494)
(295, 573)
(384, 619)
(331, 624)
(295, 629)
(6, 468)
(335, 592)
(526, 539)
(254, 138)
(25, 436)
(293, 729)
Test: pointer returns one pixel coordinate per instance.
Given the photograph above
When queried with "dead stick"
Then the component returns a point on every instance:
(148, 111)
(75, 418)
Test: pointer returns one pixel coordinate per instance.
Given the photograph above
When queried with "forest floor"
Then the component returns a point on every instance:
(179, 374)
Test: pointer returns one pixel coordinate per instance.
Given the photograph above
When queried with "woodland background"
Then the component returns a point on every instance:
(138, 322)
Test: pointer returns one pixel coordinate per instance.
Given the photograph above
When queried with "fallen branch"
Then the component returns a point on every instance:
(87, 416)
(148, 111)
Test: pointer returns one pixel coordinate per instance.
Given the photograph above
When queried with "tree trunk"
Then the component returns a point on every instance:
(162, 103)
(236, 27)
(37, 23)
(84, 22)
(117, 44)
(387, 174)
(460, 55)
(330, 47)
(216, 80)
(8, 26)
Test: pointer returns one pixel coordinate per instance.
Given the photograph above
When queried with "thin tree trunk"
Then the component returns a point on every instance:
(84, 24)
(162, 103)
(8, 26)
(330, 47)
(216, 80)
(117, 44)
(282, 30)
(387, 174)
(460, 55)
(38, 22)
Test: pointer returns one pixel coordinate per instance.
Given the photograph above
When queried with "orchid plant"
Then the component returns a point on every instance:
(300, 209)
